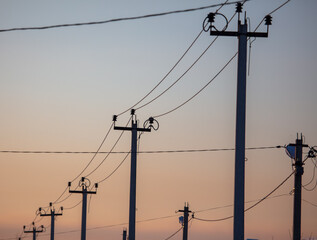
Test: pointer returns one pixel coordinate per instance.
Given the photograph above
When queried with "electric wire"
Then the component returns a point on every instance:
(160, 218)
(247, 209)
(174, 234)
(104, 179)
(314, 170)
(103, 141)
(190, 67)
(148, 152)
(168, 73)
(315, 205)
(69, 208)
(115, 144)
(117, 19)
(192, 97)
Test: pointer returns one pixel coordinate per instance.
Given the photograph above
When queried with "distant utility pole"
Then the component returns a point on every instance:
(124, 235)
(34, 230)
(299, 171)
(243, 36)
(85, 184)
(185, 221)
(134, 130)
(52, 215)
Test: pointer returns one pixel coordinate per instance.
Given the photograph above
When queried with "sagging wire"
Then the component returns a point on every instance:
(174, 66)
(110, 150)
(247, 209)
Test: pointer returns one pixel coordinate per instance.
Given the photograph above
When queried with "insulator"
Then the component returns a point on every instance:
(239, 7)
(40, 209)
(51, 204)
(211, 17)
(62, 208)
(268, 20)
(69, 184)
(83, 179)
(151, 119)
(114, 118)
(96, 185)
(132, 111)
(23, 226)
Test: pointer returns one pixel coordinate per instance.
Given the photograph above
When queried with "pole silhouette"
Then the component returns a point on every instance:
(243, 36)
(133, 171)
(84, 184)
(34, 230)
(52, 214)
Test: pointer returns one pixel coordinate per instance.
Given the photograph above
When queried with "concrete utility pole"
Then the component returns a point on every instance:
(52, 215)
(185, 222)
(243, 36)
(124, 235)
(85, 184)
(34, 230)
(299, 171)
(134, 130)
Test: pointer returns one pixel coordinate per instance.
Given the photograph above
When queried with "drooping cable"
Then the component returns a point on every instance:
(247, 209)
(104, 179)
(103, 141)
(118, 19)
(192, 97)
(115, 144)
(159, 83)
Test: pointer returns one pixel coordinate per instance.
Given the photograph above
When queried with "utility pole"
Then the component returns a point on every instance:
(34, 230)
(134, 130)
(299, 171)
(52, 215)
(243, 36)
(185, 221)
(84, 183)
(124, 235)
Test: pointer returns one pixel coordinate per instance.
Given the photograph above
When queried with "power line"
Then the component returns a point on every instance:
(144, 152)
(115, 144)
(261, 200)
(179, 106)
(117, 19)
(174, 66)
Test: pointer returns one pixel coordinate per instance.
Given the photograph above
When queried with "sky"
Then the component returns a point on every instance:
(60, 88)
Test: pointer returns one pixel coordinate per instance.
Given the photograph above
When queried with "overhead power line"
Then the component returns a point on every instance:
(144, 152)
(118, 19)
(257, 203)
(168, 73)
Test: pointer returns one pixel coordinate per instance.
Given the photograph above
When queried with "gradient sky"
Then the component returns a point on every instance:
(60, 88)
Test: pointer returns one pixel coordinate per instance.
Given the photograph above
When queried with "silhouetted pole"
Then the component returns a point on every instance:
(185, 223)
(124, 235)
(52, 215)
(134, 130)
(239, 188)
(299, 171)
(84, 192)
(34, 230)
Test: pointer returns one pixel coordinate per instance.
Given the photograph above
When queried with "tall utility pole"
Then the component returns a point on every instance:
(299, 171)
(52, 215)
(84, 184)
(185, 221)
(243, 36)
(34, 230)
(134, 130)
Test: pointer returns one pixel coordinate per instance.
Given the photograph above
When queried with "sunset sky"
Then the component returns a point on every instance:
(61, 86)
